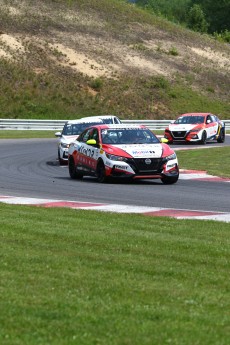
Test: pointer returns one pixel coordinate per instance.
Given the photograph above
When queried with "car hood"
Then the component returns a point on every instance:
(136, 150)
(68, 138)
(183, 127)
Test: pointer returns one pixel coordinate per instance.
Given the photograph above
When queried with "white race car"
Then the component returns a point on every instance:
(73, 128)
(122, 151)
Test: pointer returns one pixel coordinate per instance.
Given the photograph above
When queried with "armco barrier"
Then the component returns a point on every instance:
(57, 125)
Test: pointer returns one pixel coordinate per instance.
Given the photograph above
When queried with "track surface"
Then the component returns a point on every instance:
(29, 168)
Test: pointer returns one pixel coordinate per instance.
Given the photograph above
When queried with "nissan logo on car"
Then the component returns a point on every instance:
(148, 161)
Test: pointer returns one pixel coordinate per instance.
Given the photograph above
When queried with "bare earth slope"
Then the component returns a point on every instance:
(102, 41)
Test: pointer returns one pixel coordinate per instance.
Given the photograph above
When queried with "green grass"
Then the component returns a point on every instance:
(213, 160)
(26, 134)
(84, 277)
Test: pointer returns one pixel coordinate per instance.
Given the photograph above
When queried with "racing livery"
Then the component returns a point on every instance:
(196, 127)
(122, 151)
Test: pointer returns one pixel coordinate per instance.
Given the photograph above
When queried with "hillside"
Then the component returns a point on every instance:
(67, 59)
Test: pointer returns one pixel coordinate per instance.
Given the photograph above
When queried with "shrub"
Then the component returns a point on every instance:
(196, 19)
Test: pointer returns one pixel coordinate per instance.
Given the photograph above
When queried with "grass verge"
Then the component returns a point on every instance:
(20, 134)
(213, 160)
(84, 277)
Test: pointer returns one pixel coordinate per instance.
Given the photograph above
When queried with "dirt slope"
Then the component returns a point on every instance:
(107, 42)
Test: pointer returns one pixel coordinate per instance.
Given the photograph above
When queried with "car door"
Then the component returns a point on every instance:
(211, 126)
(87, 154)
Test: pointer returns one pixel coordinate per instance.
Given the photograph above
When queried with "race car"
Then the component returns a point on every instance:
(196, 127)
(122, 151)
(73, 128)
(70, 132)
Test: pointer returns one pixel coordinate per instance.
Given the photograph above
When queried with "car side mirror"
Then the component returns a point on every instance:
(91, 142)
(208, 121)
(58, 134)
(164, 140)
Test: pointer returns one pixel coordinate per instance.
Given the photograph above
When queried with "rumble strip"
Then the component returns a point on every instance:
(148, 211)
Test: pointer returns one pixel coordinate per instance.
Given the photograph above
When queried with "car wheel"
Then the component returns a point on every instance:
(204, 138)
(101, 176)
(61, 161)
(169, 180)
(221, 137)
(72, 170)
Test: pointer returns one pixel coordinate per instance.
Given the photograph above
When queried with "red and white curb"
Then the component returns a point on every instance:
(148, 211)
(200, 175)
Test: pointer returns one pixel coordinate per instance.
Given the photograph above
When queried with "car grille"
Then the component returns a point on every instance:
(179, 134)
(144, 166)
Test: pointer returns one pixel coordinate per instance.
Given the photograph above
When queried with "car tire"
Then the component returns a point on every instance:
(101, 176)
(61, 161)
(204, 138)
(72, 170)
(221, 137)
(169, 180)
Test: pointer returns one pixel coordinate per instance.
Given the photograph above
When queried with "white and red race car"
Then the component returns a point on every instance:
(122, 151)
(196, 127)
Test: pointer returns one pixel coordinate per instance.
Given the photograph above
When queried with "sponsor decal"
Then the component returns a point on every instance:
(86, 151)
(142, 152)
(121, 167)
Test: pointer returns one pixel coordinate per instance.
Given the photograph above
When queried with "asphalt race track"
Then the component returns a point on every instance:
(29, 168)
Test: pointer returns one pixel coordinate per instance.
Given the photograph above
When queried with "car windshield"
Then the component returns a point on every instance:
(76, 129)
(107, 120)
(128, 136)
(190, 119)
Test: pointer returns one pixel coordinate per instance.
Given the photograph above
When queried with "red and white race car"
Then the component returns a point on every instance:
(196, 127)
(122, 151)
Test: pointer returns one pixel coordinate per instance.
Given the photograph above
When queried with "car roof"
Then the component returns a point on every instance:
(105, 117)
(84, 120)
(195, 114)
(119, 126)
(102, 116)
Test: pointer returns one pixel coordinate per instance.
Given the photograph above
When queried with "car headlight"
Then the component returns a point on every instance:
(64, 145)
(115, 158)
(170, 157)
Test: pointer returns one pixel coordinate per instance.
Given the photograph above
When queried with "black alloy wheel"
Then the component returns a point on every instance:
(169, 180)
(72, 170)
(221, 137)
(204, 138)
(101, 177)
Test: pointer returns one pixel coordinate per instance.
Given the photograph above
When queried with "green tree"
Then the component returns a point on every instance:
(196, 19)
(174, 10)
(217, 14)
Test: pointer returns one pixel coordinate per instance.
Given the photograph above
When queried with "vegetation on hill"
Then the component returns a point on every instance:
(67, 59)
(199, 15)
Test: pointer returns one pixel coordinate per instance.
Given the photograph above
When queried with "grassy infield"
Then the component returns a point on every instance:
(83, 277)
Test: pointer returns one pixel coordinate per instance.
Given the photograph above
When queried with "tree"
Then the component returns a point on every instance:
(196, 19)
(216, 13)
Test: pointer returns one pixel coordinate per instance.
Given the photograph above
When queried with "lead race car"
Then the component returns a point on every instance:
(122, 151)
(196, 127)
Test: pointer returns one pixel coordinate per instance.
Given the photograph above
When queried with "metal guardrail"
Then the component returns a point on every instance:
(57, 125)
